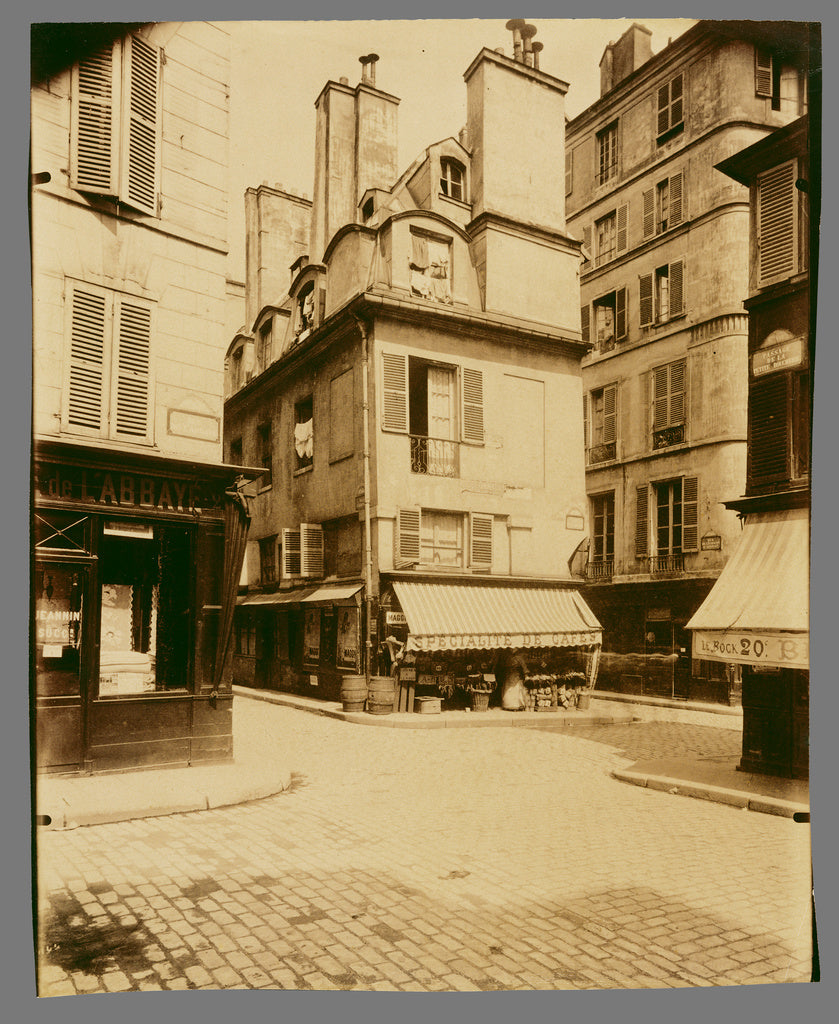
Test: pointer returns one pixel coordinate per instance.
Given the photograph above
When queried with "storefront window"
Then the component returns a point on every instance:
(146, 583)
(59, 611)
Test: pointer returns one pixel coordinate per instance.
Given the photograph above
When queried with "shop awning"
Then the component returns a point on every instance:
(463, 616)
(325, 594)
(758, 610)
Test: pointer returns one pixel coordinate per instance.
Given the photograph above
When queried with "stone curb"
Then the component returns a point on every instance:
(716, 794)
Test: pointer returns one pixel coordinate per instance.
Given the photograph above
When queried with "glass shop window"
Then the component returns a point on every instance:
(146, 583)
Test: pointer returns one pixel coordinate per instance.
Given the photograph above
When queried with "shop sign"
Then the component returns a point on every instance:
(395, 619)
(311, 635)
(116, 490)
(749, 647)
(347, 653)
(778, 357)
(711, 542)
(512, 641)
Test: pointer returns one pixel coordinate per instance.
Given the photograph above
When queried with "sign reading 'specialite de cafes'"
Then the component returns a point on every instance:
(114, 489)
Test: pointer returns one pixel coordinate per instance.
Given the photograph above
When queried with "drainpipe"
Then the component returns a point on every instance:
(368, 545)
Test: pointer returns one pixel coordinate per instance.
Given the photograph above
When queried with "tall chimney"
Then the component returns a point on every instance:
(527, 34)
(620, 59)
(515, 25)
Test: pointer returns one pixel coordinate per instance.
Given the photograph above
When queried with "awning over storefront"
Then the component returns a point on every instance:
(758, 610)
(326, 594)
(463, 616)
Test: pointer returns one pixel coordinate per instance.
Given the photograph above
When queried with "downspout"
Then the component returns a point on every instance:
(368, 545)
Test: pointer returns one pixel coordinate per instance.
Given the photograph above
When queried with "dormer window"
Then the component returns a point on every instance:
(452, 180)
(305, 311)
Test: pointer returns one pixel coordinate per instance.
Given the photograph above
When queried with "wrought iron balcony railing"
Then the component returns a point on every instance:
(434, 456)
(668, 436)
(601, 570)
(667, 563)
(606, 452)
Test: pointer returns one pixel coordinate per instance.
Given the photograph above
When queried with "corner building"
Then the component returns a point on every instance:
(665, 268)
(131, 510)
(414, 397)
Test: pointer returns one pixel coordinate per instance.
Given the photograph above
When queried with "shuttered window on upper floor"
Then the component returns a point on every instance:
(410, 404)
(777, 224)
(115, 131)
(108, 374)
(670, 112)
(663, 205)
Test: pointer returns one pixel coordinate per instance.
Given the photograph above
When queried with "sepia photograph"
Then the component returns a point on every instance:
(420, 504)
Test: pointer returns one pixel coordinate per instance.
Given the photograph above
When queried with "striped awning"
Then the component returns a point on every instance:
(326, 594)
(464, 616)
(758, 610)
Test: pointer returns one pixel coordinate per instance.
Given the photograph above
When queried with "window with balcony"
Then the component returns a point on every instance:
(663, 205)
(304, 434)
(607, 153)
(601, 424)
(670, 116)
(602, 552)
(608, 313)
(115, 133)
(669, 404)
(443, 540)
(662, 294)
(675, 526)
(452, 179)
(439, 405)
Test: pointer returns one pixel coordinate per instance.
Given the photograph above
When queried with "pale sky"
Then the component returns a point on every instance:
(280, 67)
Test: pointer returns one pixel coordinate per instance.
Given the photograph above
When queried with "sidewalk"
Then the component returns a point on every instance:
(257, 770)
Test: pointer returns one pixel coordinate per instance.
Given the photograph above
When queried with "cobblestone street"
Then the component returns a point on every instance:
(435, 860)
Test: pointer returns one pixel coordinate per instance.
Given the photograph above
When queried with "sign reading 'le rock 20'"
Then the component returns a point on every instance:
(784, 650)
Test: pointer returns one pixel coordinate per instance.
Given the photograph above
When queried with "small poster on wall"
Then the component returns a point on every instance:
(348, 638)
(311, 636)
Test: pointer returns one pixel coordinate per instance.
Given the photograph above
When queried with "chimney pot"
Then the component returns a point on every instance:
(515, 25)
(537, 49)
(343, 80)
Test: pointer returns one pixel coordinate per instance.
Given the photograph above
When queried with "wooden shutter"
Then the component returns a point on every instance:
(690, 513)
(610, 413)
(677, 392)
(646, 299)
(768, 433)
(642, 499)
(660, 397)
(648, 197)
(394, 391)
(481, 541)
(407, 537)
(141, 136)
(676, 276)
(777, 226)
(85, 392)
(621, 229)
(676, 187)
(587, 246)
(677, 113)
(94, 133)
(620, 314)
(569, 171)
(291, 554)
(763, 73)
(585, 322)
(585, 421)
(131, 360)
(472, 397)
(311, 550)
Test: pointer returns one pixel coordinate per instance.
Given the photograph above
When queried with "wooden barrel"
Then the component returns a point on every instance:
(353, 693)
(380, 695)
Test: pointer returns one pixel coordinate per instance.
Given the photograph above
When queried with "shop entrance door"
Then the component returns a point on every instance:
(667, 662)
(60, 647)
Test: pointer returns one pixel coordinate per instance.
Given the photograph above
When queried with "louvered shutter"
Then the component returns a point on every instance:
(660, 396)
(587, 246)
(622, 224)
(690, 513)
(291, 554)
(642, 499)
(85, 393)
(676, 189)
(777, 227)
(394, 391)
(610, 417)
(311, 550)
(473, 405)
(768, 433)
(645, 295)
(677, 114)
(481, 541)
(141, 120)
(648, 197)
(407, 537)
(569, 171)
(620, 314)
(585, 322)
(677, 392)
(763, 73)
(676, 276)
(131, 362)
(94, 145)
(585, 421)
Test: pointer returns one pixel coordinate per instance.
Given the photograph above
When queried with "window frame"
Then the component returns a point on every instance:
(669, 403)
(268, 559)
(608, 153)
(265, 454)
(601, 424)
(606, 536)
(303, 463)
(448, 184)
(775, 191)
(651, 202)
(670, 110)
(650, 285)
(475, 540)
(616, 300)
